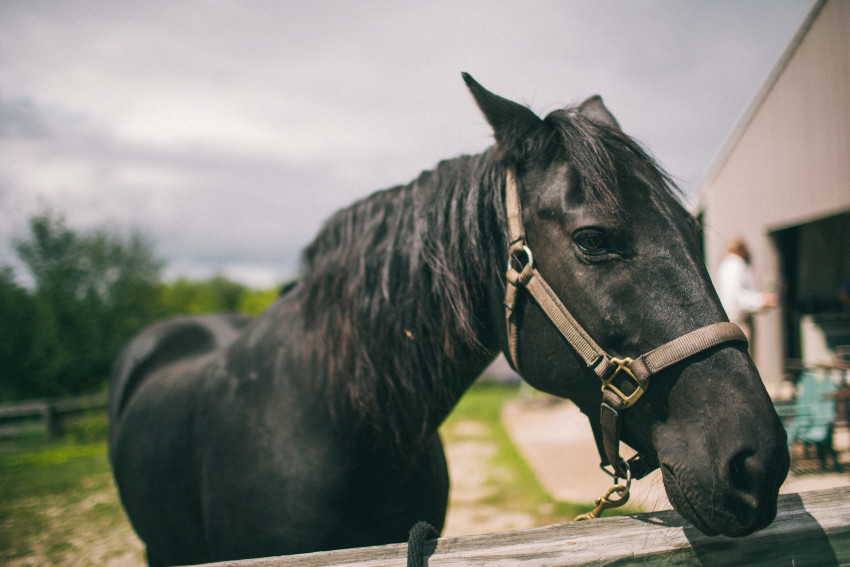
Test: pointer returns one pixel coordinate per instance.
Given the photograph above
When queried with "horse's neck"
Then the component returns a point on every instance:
(412, 338)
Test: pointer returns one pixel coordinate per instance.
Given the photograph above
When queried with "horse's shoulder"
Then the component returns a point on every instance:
(167, 341)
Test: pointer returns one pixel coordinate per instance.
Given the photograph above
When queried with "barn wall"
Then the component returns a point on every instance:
(787, 164)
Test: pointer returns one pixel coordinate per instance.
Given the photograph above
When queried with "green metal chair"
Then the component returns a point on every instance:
(814, 415)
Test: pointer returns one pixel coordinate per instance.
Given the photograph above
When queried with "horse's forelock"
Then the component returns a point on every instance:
(602, 156)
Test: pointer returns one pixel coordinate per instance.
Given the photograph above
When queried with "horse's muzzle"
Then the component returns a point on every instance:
(738, 500)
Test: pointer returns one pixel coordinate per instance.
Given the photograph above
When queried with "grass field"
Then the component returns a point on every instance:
(59, 506)
(58, 503)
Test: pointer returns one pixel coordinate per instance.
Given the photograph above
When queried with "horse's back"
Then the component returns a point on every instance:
(167, 342)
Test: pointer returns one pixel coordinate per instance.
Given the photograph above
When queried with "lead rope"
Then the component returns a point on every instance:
(419, 534)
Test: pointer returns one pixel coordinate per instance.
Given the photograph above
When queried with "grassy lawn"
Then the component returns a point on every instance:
(58, 503)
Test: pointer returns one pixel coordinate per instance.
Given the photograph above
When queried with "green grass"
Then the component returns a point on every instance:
(58, 500)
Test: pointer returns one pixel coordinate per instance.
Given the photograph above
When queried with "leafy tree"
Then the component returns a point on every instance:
(93, 290)
(217, 294)
(27, 341)
(255, 301)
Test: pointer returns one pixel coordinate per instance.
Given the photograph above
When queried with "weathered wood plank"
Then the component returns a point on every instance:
(29, 408)
(50, 412)
(36, 408)
(80, 403)
(811, 528)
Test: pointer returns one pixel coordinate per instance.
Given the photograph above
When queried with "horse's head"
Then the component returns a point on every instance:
(614, 245)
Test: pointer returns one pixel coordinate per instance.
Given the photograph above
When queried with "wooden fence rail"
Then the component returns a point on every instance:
(49, 411)
(811, 528)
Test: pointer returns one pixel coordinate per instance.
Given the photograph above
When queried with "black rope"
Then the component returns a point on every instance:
(419, 534)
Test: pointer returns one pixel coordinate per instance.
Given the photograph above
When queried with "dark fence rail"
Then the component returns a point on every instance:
(15, 416)
(811, 528)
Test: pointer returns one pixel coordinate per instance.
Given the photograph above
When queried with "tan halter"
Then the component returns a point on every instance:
(624, 380)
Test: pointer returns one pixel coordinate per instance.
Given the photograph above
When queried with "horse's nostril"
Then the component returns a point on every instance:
(744, 472)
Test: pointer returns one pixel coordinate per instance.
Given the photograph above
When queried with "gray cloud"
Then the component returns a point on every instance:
(230, 130)
(20, 121)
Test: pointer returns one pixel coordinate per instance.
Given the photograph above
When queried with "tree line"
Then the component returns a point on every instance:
(91, 291)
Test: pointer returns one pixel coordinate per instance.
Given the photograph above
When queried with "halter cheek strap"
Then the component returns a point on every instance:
(624, 380)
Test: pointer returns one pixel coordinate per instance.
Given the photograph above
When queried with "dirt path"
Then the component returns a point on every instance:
(555, 439)
(476, 478)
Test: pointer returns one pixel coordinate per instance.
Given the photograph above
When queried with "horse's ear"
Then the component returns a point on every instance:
(594, 110)
(512, 123)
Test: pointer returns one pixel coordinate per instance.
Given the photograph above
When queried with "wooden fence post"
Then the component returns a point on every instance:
(52, 420)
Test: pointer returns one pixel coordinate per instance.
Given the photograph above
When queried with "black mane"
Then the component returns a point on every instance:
(390, 286)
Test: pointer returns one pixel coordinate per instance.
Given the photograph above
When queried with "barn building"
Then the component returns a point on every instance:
(782, 184)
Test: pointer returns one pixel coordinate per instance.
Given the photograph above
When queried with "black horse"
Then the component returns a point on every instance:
(314, 427)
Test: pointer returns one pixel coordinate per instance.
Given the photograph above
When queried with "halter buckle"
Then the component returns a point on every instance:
(623, 366)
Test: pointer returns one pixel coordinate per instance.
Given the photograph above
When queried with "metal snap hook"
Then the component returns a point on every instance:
(606, 502)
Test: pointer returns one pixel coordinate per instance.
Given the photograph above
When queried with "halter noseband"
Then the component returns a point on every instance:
(624, 380)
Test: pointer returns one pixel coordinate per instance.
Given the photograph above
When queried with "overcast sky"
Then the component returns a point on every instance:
(228, 131)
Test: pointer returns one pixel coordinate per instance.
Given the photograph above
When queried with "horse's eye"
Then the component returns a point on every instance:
(592, 241)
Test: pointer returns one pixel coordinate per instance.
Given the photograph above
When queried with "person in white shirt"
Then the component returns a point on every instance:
(737, 290)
